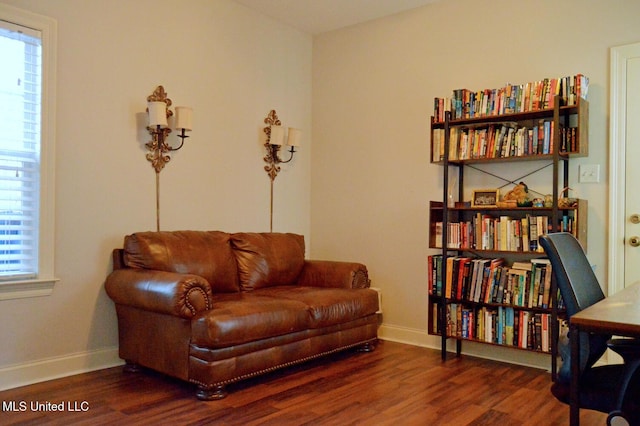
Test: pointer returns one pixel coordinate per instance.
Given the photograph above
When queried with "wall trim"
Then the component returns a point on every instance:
(83, 362)
(417, 337)
(28, 373)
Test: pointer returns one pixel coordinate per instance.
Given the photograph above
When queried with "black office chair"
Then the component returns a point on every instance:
(612, 389)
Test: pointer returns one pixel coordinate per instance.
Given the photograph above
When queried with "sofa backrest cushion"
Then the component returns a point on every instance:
(204, 253)
(268, 259)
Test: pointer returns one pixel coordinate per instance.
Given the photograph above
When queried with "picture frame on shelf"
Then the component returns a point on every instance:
(484, 198)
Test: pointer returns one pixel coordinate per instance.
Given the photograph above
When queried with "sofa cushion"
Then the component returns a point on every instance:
(246, 317)
(268, 259)
(328, 306)
(204, 253)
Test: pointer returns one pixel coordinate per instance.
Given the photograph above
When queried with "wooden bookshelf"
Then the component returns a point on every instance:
(553, 128)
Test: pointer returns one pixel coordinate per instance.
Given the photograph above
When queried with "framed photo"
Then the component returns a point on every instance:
(485, 198)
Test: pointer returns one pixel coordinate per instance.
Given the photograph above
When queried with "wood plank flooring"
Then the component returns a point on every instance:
(396, 384)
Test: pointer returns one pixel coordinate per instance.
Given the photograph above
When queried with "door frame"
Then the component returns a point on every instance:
(617, 173)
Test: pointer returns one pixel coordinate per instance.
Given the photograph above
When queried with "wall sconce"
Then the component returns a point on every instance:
(278, 136)
(159, 113)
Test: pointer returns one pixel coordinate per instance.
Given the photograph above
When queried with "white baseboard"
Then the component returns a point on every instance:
(416, 337)
(53, 368)
(410, 336)
(17, 375)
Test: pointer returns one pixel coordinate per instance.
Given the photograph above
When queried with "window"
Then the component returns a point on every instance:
(20, 95)
(26, 153)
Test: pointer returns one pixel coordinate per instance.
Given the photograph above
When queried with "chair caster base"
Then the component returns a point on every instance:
(616, 418)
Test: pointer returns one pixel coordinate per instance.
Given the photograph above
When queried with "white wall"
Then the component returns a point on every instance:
(373, 90)
(373, 87)
(232, 66)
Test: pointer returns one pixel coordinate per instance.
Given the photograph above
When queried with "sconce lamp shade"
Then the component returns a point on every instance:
(277, 135)
(294, 137)
(157, 114)
(184, 118)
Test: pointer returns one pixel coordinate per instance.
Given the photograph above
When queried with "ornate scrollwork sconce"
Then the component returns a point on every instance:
(159, 113)
(277, 136)
(275, 140)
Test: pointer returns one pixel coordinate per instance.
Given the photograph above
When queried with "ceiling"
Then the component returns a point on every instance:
(319, 16)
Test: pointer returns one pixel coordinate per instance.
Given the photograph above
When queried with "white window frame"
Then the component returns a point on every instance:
(44, 283)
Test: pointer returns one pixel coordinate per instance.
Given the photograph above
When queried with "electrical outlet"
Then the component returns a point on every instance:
(589, 173)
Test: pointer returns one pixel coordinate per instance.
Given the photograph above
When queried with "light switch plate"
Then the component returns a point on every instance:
(589, 173)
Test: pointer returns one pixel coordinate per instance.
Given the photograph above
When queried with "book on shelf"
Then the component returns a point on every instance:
(501, 233)
(448, 290)
(438, 234)
(435, 317)
(545, 333)
(521, 264)
(464, 271)
(434, 263)
(512, 98)
(541, 271)
(491, 281)
(502, 325)
(501, 140)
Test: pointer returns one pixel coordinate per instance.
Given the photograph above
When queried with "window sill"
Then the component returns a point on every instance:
(27, 288)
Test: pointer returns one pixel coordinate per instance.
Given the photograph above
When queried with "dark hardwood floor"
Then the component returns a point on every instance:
(394, 385)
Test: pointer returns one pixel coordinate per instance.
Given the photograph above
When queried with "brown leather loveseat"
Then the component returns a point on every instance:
(213, 308)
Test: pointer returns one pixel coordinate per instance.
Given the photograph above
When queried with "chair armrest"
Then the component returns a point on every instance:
(182, 295)
(327, 273)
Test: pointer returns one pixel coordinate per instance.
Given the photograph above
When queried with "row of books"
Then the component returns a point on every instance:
(502, 140)
(500, 233)
(512, 98)
(502, 325)
(479, 280)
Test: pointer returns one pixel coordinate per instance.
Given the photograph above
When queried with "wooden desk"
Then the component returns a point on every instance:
(618, 315)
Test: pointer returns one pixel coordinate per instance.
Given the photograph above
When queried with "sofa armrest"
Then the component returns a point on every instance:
(327, 273)
(182, 295)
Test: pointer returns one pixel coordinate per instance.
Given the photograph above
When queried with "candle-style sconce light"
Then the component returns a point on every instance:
(277, 137)
(159, 148)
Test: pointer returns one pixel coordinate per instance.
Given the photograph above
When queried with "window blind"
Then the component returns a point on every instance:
(20, 99)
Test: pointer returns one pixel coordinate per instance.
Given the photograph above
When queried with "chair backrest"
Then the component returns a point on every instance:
(575, 278)
(579, 288)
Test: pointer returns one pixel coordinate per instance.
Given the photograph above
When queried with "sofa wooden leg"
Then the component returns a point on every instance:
(367, 347)
(131, 367)
(206, 393)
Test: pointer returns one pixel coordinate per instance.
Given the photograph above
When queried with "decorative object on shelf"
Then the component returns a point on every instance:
(277, 136)
(159, 148)
(485, 198)
(507, 204)
(566, 202)
(519, 196)
(548, 201)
